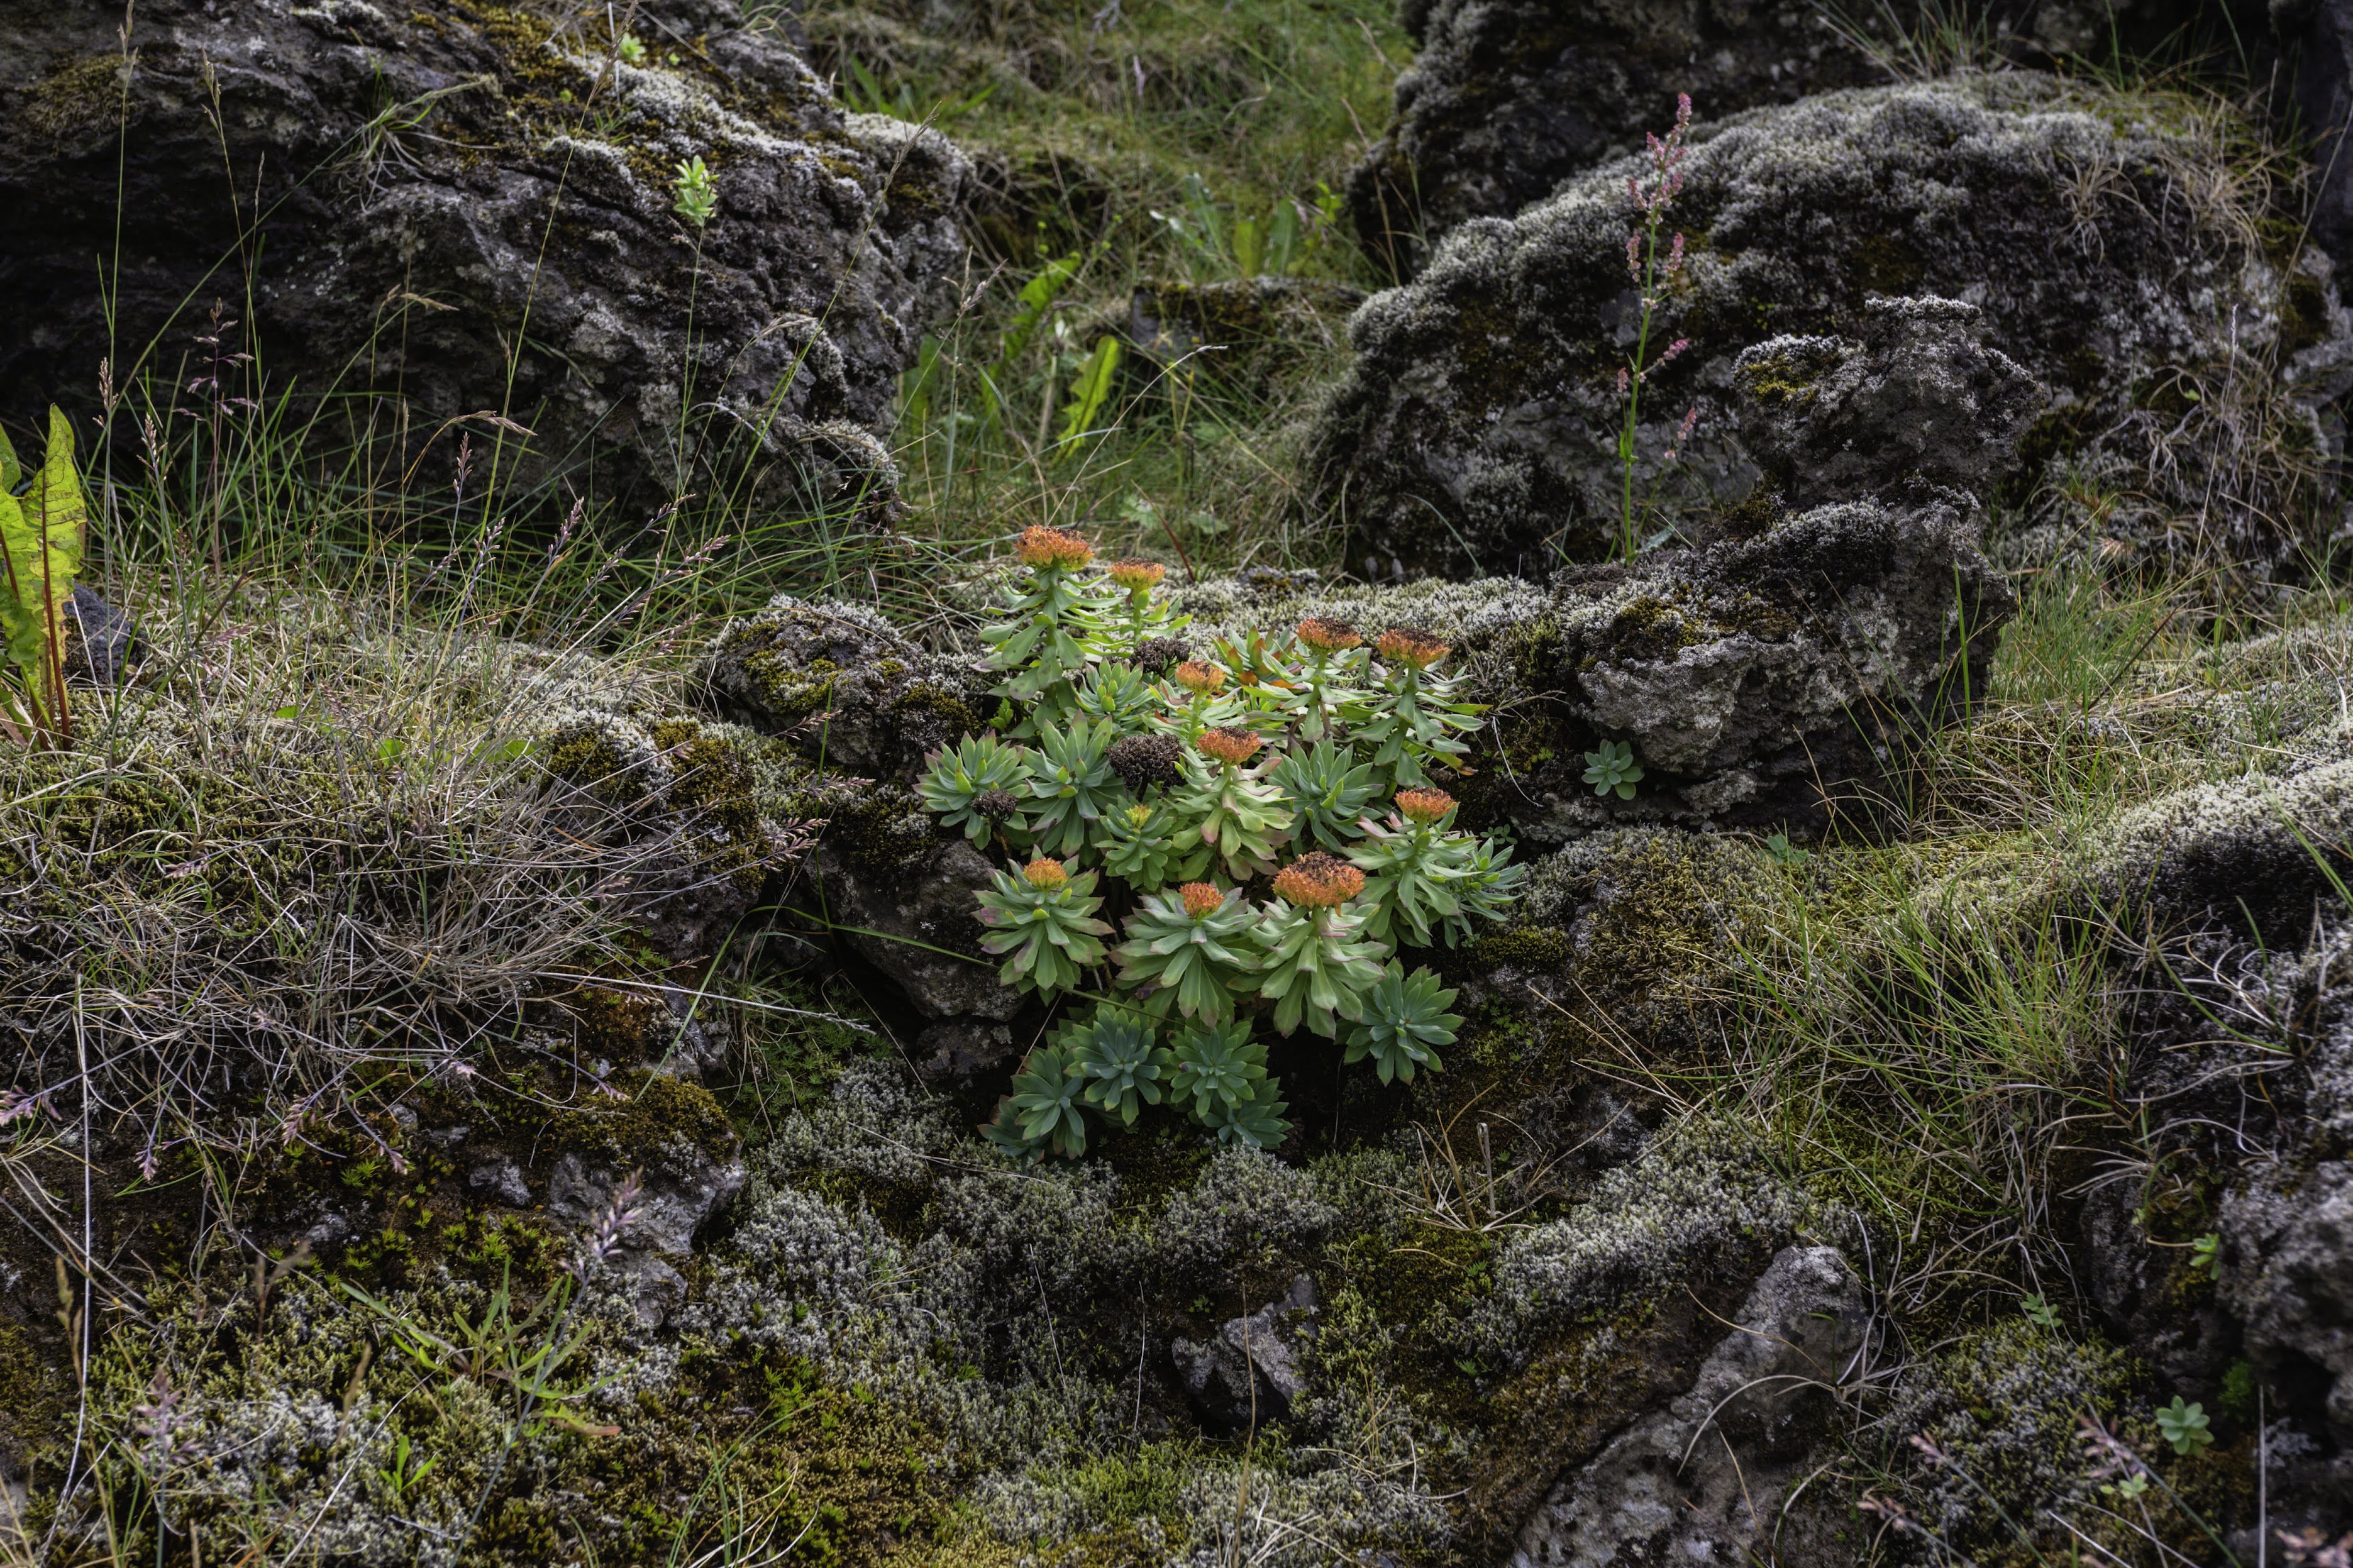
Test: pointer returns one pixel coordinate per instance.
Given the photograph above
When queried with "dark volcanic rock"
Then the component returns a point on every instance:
(1478, 431)
(405, 193)
(1509, 98)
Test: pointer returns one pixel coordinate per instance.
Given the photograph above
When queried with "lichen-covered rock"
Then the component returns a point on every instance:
(649, 1228)
(1478, 430)
(474, 205)
(706, 806)
(1702, 1479)
(1919, 400)
(1509, 98)
(2288, 1270)
(839, 682)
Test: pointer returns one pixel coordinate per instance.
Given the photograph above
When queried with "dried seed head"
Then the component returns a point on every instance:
(1424, 806)
(1154, 655)
(1319, 882)
(1136, 576)
(996, 805)
(1199, 678)
(1234, 746)
(1327, 635)
(1201, 900)
(1141, 761)
(1046, 875)
(1045, 547)
(1412, 646)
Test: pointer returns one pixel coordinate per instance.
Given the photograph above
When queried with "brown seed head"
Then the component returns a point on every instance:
(1143, 761)
(1201, 900)
(1411, 646)
(1319, 882)
(1327, 635)
(1235, 746)
(1046, 875)
(1136, 576)
(1199, 678)
(1045, 547)
(997, 804)
(1424, 806)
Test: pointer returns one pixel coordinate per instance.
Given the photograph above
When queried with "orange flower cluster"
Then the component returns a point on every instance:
(1235, 746)
(1201, 900)
(1045, 547)
(1409, 645)
(1327, 635)
(1319, 882)
(1136, 576)
(1424, 806)
(1199, 678)
(1046, 875)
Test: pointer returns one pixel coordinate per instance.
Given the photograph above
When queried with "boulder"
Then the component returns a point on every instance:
(2189, 365)
(473, 207)
(1509, 98)
(103, 642)
(920, 928)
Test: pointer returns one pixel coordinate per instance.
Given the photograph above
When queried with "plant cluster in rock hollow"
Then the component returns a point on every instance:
(1146, 790)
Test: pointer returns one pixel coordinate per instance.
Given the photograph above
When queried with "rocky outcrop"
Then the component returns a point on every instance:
(1509, 98)
(641, 1224)
(473, 209)
(1702, 1479)
(2188, 365)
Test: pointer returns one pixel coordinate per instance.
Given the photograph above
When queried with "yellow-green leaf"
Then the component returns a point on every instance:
(41, 541)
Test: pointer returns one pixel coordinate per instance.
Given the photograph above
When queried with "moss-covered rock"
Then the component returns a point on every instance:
(840, 683)
(478, 213)
(1508, 100)
(1478, 431)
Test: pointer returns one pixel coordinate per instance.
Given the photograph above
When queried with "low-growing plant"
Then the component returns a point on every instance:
(1155, 792)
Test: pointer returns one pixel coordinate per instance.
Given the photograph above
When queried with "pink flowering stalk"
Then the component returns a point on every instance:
(1652, 273)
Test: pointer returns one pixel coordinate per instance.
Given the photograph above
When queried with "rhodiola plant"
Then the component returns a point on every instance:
(1204, 846)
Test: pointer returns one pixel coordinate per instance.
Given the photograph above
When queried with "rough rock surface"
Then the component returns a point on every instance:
(1509, 98)
(103, 642)
(921, 929)
(1249, 1374)
(1478, 430)
(1702, 1479)
(680, 1188)
(2289, 1274)
(398, 165)
(844, 686)
(1917, 401)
